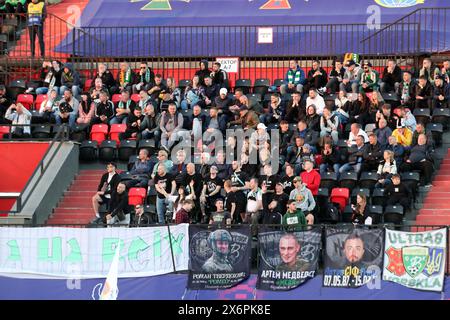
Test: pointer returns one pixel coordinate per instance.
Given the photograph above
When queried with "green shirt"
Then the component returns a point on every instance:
(294, 221)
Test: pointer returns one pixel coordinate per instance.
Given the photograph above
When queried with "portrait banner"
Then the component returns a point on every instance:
(416, 259)
(286, 260)
(218, 258)
(353, 256)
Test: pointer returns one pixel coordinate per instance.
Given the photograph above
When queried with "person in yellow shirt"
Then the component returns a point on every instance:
(36, 17)
(403, 135)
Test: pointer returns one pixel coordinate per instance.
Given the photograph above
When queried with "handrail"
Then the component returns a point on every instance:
(61, 136)
(402, 18)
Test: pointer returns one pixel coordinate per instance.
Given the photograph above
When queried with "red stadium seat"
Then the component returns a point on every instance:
(39, 99)
(136, 196)
(115, 98)
(116, 130)
(99, 132)
(4, 131)
(26, 99)
(340, 196)
(87, 85)
(135, 97)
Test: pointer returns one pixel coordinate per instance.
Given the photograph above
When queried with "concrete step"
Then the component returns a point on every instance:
(79, 193)
(433, 204)
(74, 211)
(430, 211)
(76, 204)
(433, 220)
(68, 221)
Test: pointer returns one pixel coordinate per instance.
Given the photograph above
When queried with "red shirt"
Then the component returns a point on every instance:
(182, 216)
(312, 181)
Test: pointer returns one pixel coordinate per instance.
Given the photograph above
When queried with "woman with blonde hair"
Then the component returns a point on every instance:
(386, 169)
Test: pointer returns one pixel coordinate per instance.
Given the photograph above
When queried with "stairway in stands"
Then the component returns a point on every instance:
(76, 205)
(436, 206)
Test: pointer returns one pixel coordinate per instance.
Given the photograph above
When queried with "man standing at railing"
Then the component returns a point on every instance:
(36, 16)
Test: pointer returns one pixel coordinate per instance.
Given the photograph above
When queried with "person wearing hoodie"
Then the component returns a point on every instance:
(275, 114)
(51, 77)
(304, 199)
(203, 72)
(295, 79)
(70, 79)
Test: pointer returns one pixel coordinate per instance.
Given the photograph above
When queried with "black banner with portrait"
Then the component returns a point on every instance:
(353, 256)
(287, 260)
(219, 258)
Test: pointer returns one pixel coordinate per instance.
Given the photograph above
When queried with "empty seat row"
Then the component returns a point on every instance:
(110, 150)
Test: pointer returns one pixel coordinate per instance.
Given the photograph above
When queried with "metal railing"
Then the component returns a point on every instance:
(430, 34)
(62, 134)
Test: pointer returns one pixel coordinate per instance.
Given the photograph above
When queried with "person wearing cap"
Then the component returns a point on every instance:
(423, 91)
(352, 77)
(369, 78)
(220, 242)
(294, 219)
(310, 177)
(222, 102)
(304, 199)
(275, 114)
(391, 77)
(212, 186)
(220, 216)
(259, 137)
(403, 135)
(405, 91)
(441, 94)
(294, 79)
(219, 76)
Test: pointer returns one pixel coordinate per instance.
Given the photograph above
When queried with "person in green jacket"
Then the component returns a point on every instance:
(294, 219)
(14, 6)
(369, 78)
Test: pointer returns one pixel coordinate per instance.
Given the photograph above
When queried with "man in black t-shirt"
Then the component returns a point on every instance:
(288, 179)
(220, 216)
(210, 192)
(165, 186)
(240, 183)
(235, 202)
(268, 179)
(193, 183)
(281, 198)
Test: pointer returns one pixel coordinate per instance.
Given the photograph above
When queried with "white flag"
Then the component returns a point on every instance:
(110, 289)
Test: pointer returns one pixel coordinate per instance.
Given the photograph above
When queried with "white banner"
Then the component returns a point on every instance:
(87, 253)
(416, 259)
(229, 64)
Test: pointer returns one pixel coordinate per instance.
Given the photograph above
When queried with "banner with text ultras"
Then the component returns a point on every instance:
(218, 258)
(287, 260)
(416, 259)
(87, 253)
(353, 256)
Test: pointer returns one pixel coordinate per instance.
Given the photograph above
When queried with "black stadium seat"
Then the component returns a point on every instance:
(436, 130)
(147, 144)
(126, 176)
(376, 212)
(278, 82)
(254, 96)
(368, 180)
(244, 84)
(42, 131)
(393, 214)
(378, 197)
(328, 180)
(261, 86)
(126, 149)
(441, 115)
(348, 180)
(107, 150)
(182, 84)
(88, 150)
(422, 115)
(131, 161)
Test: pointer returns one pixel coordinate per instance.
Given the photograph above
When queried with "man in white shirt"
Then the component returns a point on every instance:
(315, 99)
(355, 131)
(19, 115)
